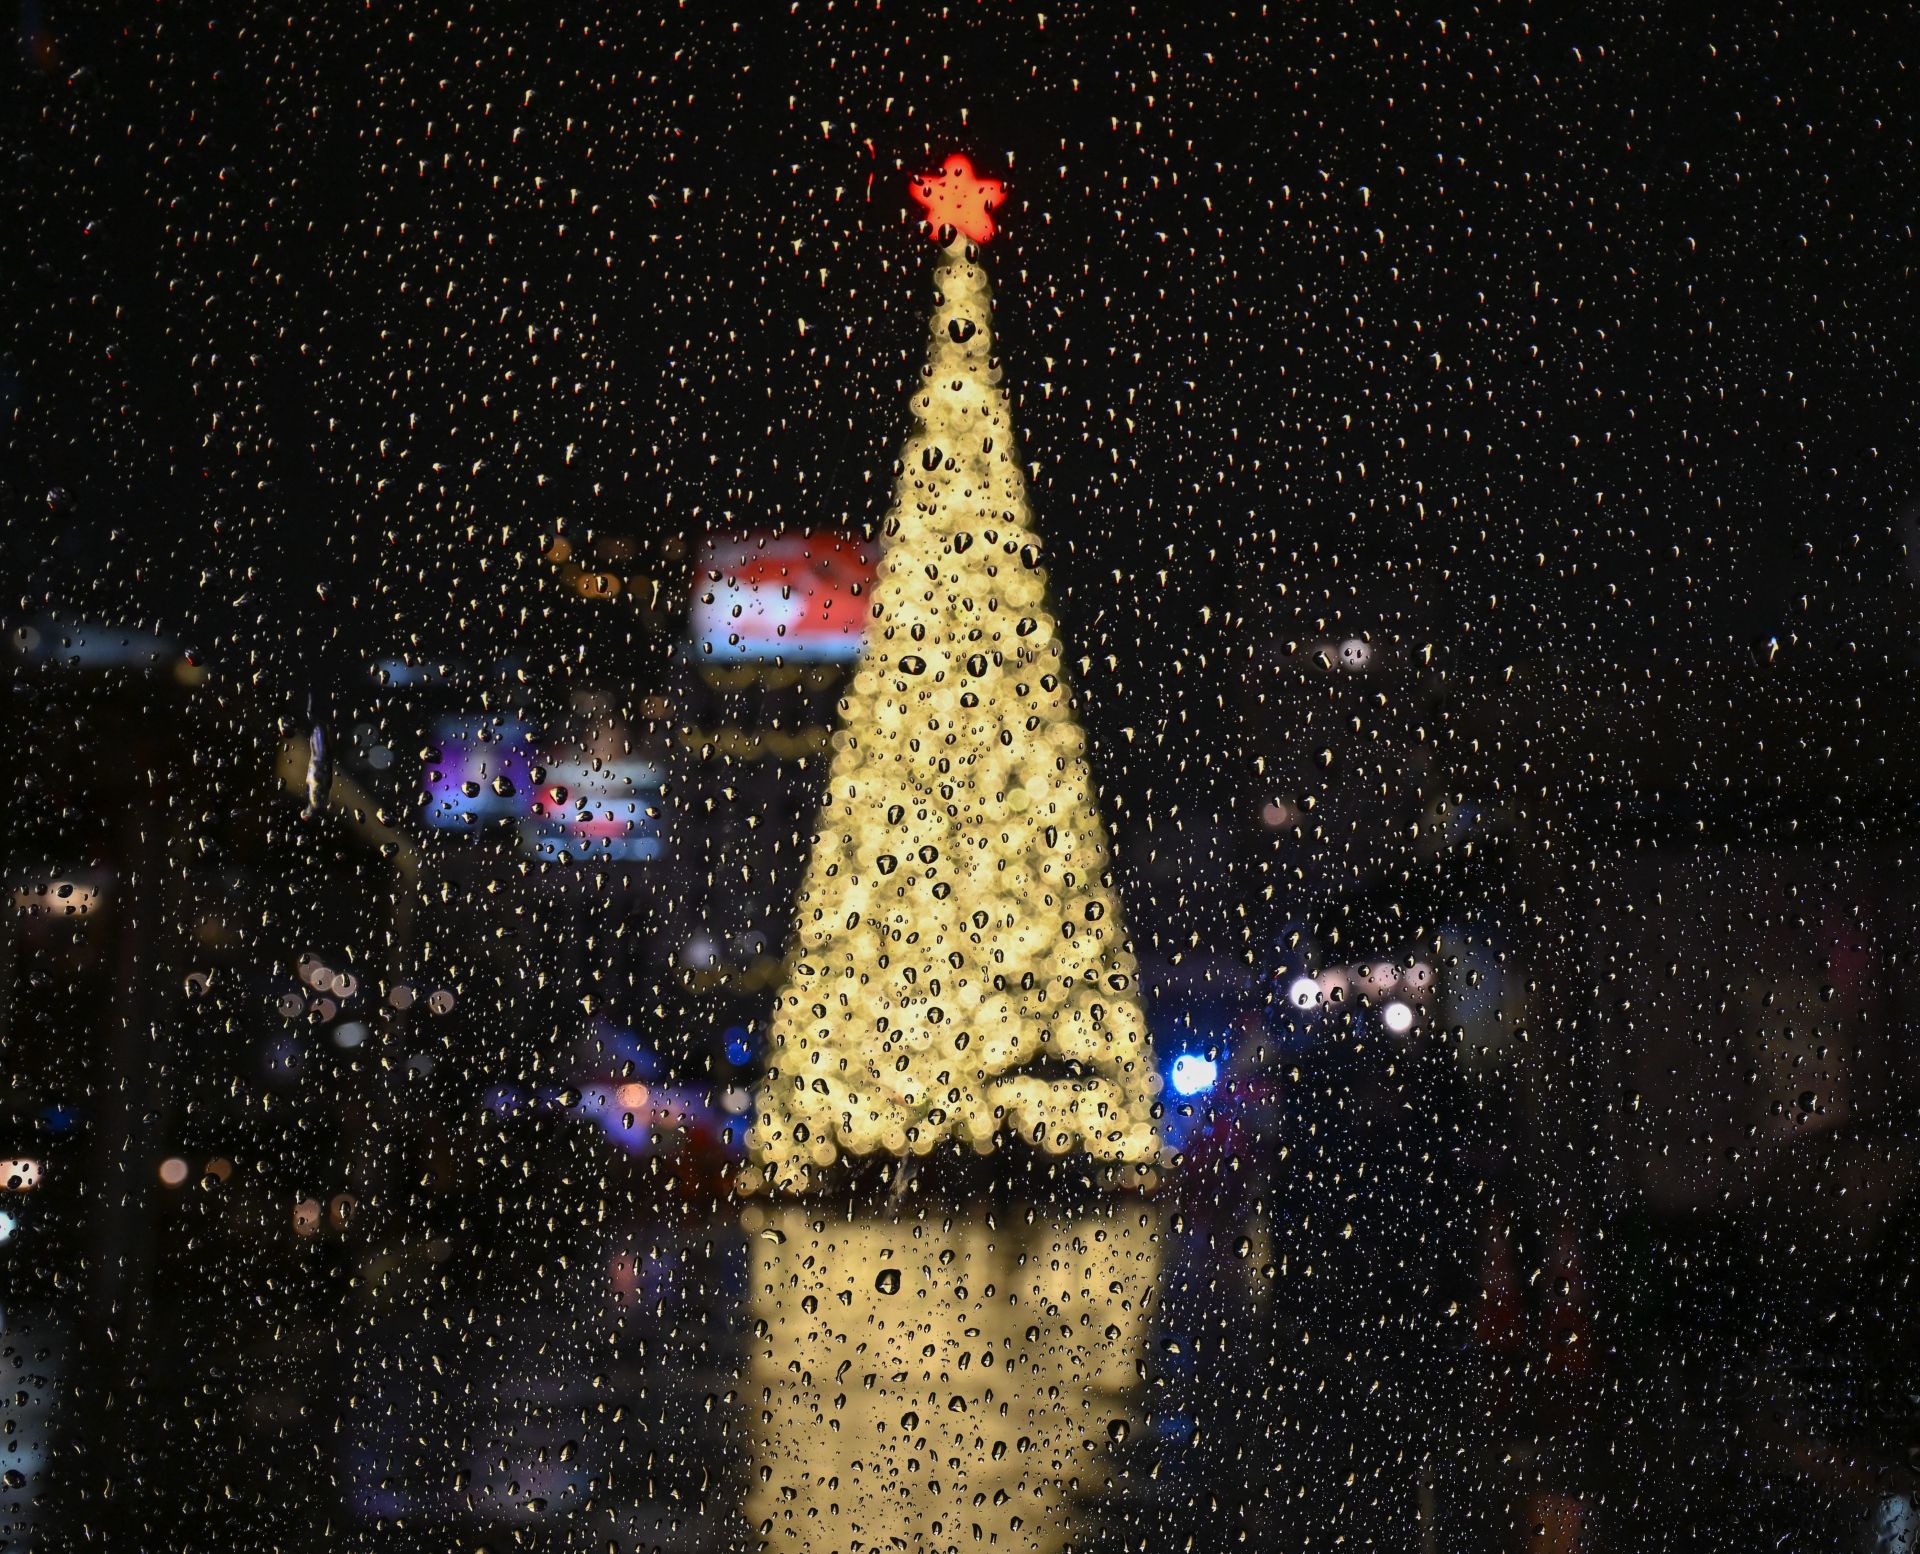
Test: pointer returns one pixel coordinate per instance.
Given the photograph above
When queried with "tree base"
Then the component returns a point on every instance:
(950, 1174)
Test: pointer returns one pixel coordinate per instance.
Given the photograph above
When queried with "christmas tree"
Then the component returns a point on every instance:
(960, 969)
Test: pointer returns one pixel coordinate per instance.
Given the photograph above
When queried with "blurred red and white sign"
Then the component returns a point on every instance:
(791, 596)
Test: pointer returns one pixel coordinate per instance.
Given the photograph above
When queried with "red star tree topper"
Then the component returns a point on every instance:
(957, 199)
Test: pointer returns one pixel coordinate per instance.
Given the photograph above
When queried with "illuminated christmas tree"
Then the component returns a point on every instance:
(960, 969)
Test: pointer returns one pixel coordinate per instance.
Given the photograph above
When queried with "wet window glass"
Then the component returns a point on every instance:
(887, 778)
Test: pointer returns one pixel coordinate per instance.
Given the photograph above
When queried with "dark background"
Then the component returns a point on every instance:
(1454, 296)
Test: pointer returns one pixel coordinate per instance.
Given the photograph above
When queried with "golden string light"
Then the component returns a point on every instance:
(960, 969)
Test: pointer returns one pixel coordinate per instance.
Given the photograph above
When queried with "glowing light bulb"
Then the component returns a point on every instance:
(1193, 1074)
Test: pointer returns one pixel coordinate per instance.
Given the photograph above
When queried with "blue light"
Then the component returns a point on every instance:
(59, 1118)
(628, 1047)
(506, 1100)
(739, 1046)
(1192, 1074)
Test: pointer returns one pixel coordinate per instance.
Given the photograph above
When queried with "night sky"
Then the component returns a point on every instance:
(1519, 336)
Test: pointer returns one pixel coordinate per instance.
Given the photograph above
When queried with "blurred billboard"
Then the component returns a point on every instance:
(787, 596)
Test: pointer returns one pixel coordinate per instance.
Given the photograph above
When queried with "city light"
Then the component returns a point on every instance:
(1379, 979)
(794, 597)
(1193, 1074)
(57, 898)
(1397, 1017)
(1303, 993)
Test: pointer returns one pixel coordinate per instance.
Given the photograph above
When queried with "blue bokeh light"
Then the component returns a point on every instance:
(1193, 1073)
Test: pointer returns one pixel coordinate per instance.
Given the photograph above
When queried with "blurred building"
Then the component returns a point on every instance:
(185, 971)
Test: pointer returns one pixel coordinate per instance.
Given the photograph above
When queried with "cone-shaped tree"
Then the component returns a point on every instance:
(960, 968)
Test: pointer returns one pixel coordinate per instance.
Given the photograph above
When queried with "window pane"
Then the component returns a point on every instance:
(947, 778)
